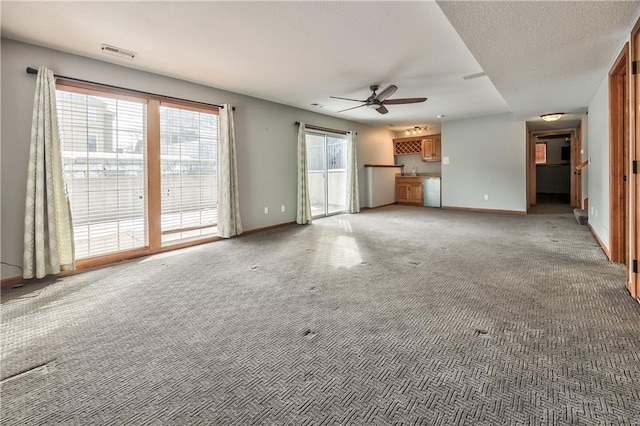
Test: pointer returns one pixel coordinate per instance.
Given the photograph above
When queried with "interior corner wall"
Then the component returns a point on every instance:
(487, 156)
(266, 138)
(598, 149)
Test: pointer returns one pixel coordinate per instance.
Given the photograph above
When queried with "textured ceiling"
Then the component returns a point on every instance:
(538, 56)
(544, 56)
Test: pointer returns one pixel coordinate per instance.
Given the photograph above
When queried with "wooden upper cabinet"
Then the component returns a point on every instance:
(406, 146)
(432, 148)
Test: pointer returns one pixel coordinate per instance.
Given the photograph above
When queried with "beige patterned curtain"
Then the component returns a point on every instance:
(353, 196)
(48, 229)
(303, 215)
(228, 197)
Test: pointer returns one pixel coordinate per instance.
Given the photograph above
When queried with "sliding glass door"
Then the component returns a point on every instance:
(141, 173)
(327, 158)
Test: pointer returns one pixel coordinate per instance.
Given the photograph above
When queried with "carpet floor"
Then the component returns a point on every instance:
(398, 315)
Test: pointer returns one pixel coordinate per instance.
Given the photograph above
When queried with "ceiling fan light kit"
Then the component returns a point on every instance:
(378, 101)
(554, 116)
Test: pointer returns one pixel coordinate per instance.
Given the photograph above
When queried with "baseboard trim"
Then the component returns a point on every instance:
(469, 209)
(267, 228)
(599, 240)
(12, 282)
(378, 207)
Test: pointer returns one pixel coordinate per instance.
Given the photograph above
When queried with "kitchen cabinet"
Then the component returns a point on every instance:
(432, 148)
(407, 146)
(409, 190)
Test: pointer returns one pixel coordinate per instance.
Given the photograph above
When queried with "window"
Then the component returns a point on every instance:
(188, 153)
(133, 187)
(541, 152)
(327, 172)
(106, 181)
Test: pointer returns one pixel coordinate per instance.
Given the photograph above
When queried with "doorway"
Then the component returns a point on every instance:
(554, 182)
(327, 172)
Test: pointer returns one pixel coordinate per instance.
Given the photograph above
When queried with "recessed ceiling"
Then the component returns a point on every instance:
(544, 56)
(300, 53)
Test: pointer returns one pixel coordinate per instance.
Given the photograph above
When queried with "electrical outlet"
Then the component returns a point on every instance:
(282, 209)
(486, 197)
(266, 210)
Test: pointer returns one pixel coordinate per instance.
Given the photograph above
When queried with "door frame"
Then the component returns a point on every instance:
(576, 176)
(574, 161)
(619, 160)
(634, 185)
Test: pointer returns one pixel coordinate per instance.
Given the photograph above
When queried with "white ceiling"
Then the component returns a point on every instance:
(539, 56)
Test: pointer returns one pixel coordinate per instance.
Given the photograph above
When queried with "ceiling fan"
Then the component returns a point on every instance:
(378, 101)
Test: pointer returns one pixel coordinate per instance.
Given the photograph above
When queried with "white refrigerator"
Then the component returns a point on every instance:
(431, 187)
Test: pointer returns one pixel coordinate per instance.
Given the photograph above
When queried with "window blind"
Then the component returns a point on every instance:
(189, 185)
(103, 144)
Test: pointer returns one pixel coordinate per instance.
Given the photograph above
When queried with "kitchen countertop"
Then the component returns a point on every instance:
(420, 175)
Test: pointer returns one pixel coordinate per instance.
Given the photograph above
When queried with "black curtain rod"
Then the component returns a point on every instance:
(31, 70)
(324, 129)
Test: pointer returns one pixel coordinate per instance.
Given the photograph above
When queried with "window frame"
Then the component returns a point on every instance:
(153, 168)
(536, 153)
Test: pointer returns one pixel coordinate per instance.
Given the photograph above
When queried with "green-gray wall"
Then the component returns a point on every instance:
(265, 133)
(487, 156)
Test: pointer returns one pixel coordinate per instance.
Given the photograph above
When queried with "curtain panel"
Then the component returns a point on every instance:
(48, 229)
(303, 211)
(353, 196)
(229, 223)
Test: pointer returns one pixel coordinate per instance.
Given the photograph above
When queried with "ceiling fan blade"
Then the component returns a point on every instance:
(359, 106)
(347, 99)
(404, 101)
(386, 93)
(382, 109)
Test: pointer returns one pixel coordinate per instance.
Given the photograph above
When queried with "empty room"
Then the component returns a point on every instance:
(320, 213)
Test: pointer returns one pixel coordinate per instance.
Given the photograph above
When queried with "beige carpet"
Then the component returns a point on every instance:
(399, 315)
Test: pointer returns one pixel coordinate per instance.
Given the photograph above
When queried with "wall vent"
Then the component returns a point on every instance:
(119, 52)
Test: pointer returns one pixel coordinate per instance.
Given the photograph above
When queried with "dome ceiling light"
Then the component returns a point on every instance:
(554, 116)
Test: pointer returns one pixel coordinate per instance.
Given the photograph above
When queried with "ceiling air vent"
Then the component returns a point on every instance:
(476, 75)
(119, 52)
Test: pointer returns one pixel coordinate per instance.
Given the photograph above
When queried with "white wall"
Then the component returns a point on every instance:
(598, 148)
(381, 186)
(265, 132)
(487, 156)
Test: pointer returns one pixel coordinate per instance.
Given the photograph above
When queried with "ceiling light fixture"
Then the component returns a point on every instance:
(441, 116)
(554, 116)
(416, 130)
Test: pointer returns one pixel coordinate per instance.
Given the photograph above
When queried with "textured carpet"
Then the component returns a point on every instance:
(399, 315)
